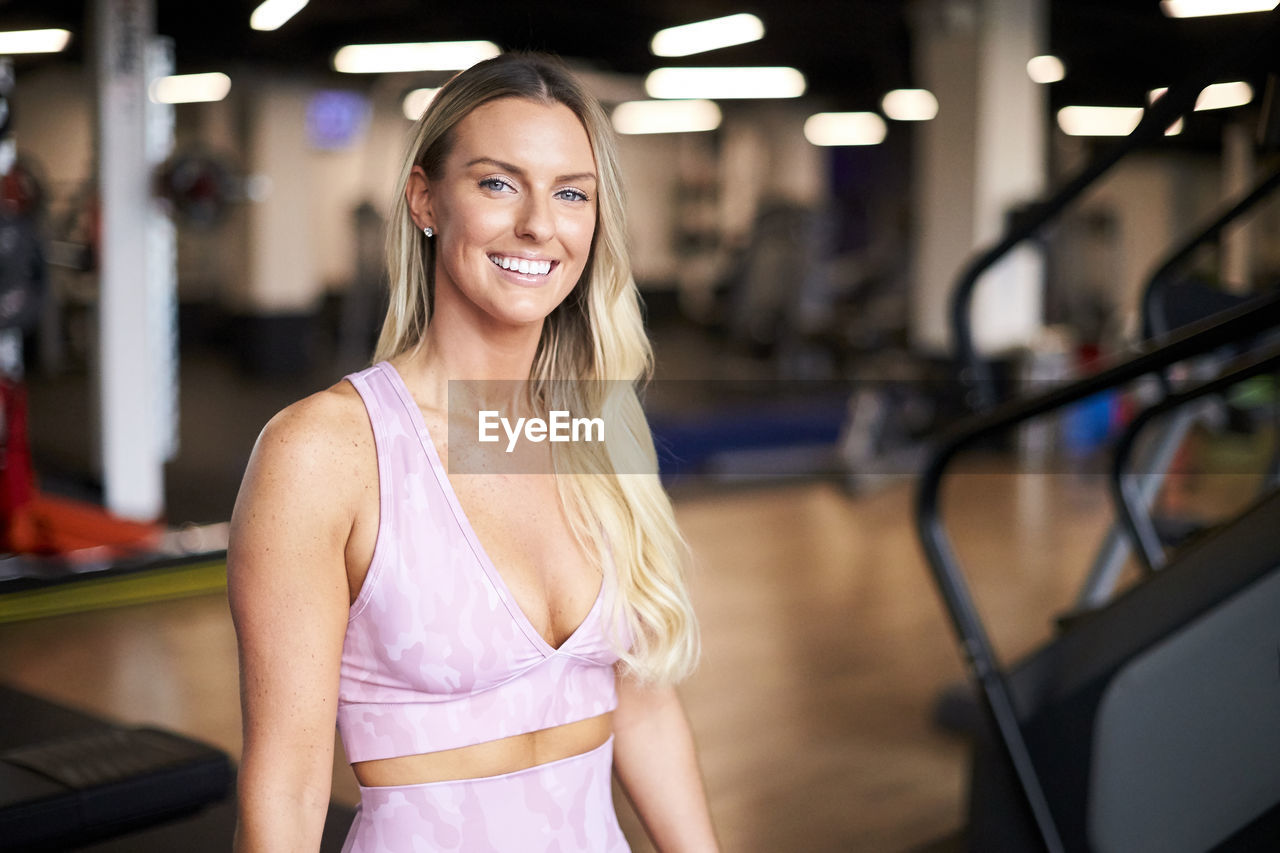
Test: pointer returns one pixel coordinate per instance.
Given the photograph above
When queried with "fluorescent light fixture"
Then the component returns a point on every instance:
(1201, 8)
(416, 102)
(1045, 69)
(844, 129)
(412, 56)
(707, 35)
(1099, 121)
(666, 116)
(272, 14)
(1220, 96)
(718, 83)
(190, 88)
(910, 105)
(33, 41)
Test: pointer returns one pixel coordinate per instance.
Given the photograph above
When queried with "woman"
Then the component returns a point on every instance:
(463, 624)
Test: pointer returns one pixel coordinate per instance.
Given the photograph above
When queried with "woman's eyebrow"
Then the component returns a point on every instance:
(516, 170)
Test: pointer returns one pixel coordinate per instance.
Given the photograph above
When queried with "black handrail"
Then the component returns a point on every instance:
(1154, 317)
(1179, 100)
(1242, 323)
(1126, 499)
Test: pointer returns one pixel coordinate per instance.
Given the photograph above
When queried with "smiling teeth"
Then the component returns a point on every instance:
(522, 265)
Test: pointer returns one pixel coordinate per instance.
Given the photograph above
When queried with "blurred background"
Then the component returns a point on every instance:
(855, 224)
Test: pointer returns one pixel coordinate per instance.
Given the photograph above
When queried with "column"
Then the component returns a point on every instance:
(133, 437)
(282, 288)
(983, 155)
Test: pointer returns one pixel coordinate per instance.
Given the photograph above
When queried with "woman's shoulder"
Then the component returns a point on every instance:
(310, 476)
(322, 438)
(334, 414)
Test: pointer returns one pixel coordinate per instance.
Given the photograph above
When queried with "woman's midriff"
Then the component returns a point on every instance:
(491, 758)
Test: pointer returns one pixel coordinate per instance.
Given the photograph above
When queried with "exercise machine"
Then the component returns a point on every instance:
(1150, 723)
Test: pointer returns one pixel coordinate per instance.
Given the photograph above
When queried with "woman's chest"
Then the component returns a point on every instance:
(510, 506)
(520, 524)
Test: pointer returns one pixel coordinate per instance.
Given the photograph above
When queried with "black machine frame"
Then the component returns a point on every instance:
(1244, 323)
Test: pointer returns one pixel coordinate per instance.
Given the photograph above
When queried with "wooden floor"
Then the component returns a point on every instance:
(825, 648)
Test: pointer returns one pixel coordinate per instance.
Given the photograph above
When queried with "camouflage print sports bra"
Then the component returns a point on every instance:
(438, 655)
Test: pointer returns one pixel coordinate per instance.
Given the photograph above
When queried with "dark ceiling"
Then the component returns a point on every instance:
(852, 51)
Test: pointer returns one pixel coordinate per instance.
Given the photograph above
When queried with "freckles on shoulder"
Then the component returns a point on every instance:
(321, 447)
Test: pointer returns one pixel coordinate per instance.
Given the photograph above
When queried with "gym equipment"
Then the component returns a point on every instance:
(885, 433)
(198, 187)
(1168, 303)
(1127, 495)
(125, 790)
(67, 778)
(1146, 724)
(105, 562)
(23, 279)
(740, 432)
(1162, 309)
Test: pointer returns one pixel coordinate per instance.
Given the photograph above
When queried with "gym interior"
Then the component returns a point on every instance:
(964, 315)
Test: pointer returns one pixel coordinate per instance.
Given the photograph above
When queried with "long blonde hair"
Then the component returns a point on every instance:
(591, 358)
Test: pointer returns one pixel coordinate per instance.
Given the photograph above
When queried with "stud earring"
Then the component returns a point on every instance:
(429, 231)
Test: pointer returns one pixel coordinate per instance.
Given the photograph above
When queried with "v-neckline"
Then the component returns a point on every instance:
(487, 564)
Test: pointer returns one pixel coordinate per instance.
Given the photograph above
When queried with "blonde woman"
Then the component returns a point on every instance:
(490, 644)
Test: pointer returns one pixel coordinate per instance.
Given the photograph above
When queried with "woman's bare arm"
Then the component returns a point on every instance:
(656, 762)
(287, 584)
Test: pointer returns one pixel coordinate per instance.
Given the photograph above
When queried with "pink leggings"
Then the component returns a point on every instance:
(561, 806)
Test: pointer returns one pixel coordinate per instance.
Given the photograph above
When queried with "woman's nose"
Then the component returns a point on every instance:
(535, 221)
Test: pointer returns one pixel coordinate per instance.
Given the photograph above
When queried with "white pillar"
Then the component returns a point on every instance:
(1011, 165)
(984, 154)
(945, 49)
(133, 359)
(162, 263)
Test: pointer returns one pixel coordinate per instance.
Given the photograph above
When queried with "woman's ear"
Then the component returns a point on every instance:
(417, 193)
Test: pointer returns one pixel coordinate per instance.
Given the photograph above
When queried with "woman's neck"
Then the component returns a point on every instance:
(493, 364)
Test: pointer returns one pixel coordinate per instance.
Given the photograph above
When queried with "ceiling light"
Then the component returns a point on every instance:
(666, 116)
(190, 88)
(717, 83)
(272, 14)
(910, 105)
(1099, 121)
(412, 56)
(707, 35)
(1045, 69)
(844, 129)
(1220, 96)
(1201, 8)
(416, 102)
(33, 41)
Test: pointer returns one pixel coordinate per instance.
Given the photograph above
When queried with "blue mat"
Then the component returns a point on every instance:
(687, 443)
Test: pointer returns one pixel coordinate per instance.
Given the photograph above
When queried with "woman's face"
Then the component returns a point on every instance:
(514, 211)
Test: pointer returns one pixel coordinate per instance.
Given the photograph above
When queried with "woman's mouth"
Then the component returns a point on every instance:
(524, 266)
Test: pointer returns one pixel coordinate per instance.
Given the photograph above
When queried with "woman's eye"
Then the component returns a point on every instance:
(495, 184)
(572, 195)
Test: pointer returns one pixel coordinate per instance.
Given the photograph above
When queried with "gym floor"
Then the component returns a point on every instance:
(826, 646)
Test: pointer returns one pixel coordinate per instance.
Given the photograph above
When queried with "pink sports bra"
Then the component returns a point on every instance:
(438, 655)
